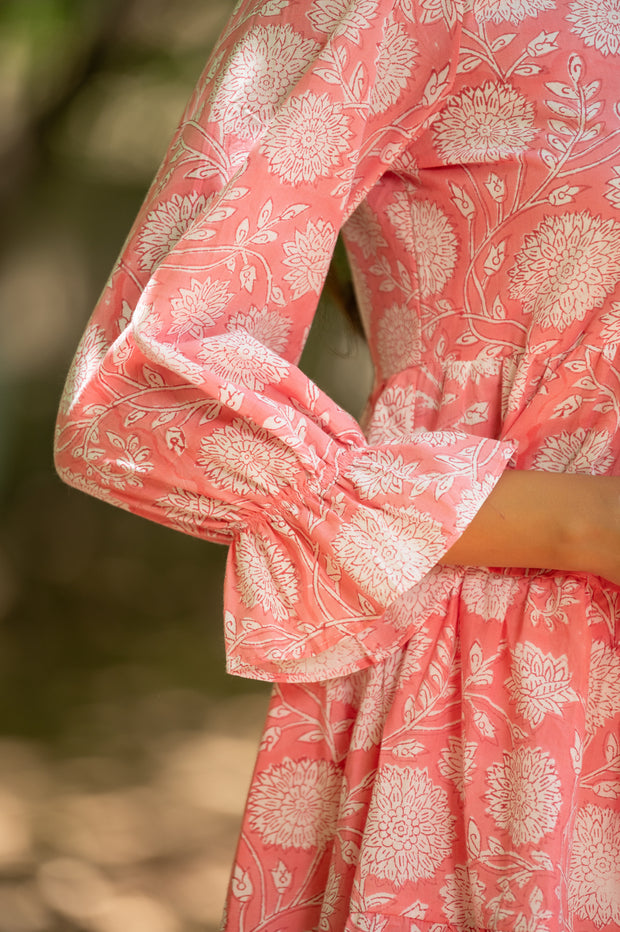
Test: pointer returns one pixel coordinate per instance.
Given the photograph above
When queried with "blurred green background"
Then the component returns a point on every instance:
(125, 749)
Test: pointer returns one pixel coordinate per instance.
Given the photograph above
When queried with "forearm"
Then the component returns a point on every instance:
(546, 521)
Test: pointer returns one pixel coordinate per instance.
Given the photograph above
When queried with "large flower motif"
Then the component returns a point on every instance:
(268, 327)
(195, 309)
(90, 352)
(395, 65)
(165, 225)
(603, 686)
(409, 829)
(511, 11)
(398, 339)
(488, 594)
(427, 234)
(308, 257)
(524, 794)
(597, 23)
(243, 459)
(484, 124)
(435, 246)
(567, 267)
(347, 18)
(263, 67)
(266, 577)
(579, 451)
(594, 875)
(307, 138)
(539, 683)
(464, 899)
(238, 358)
(294, 804)
(386, 553)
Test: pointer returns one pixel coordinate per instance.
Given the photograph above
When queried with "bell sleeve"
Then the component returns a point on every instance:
(184, 403)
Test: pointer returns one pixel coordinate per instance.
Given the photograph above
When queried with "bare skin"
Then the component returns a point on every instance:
(546, 521)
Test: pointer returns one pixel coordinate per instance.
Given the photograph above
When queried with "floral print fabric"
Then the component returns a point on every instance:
(442, 748)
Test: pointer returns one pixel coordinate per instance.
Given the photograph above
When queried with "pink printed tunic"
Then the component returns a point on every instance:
(442, 749)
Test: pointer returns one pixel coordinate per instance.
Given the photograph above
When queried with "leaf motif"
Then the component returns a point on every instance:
(242, 231)
(608, 789)
(358, 81)
(469, 63)
(134, 416)
(527, 70)
(563, 90)
(474, 839)
(575, 68)
(503, 41)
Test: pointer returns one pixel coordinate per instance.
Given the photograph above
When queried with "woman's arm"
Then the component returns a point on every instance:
(546, 521)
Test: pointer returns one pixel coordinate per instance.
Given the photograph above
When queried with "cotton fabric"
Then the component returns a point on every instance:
(442, 748)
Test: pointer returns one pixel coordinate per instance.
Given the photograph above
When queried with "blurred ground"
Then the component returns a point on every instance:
(125, 750)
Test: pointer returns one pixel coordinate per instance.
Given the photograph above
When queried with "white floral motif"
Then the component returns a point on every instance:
(91, 350)
(195, 309)
(488, 594)
(613, 194)
(524, 794)
(268, 327)
(294, 804)
(378, 692)
(266, 576)
(567, 267)
(409, 829)
(165, 225)
(395, 65)
(379, 472)
(539, 683)
(457, 762)
(387, 553)
(435, 247)
(603, 686)
(364, 229)
(580, 451)
(594, 875)
(484, 124)
(464, 899)
(398, 339)
(245, 459)
(597, 23)
(345, 18)
(238, 358)
(308, 257)
(190, 511)
(448, 10)
(262, 69)
(512, 11)
(307, 138)
(393, 417)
